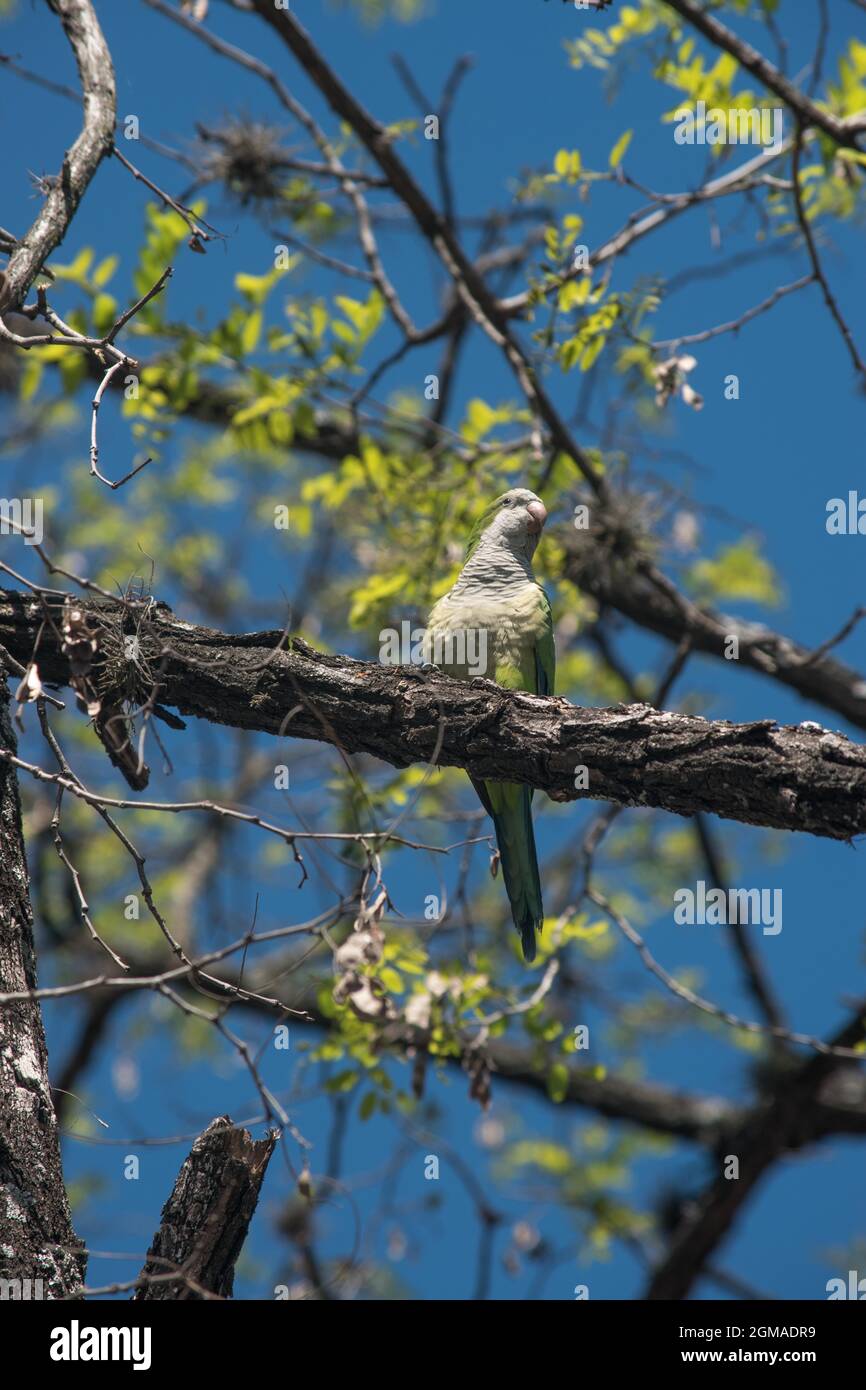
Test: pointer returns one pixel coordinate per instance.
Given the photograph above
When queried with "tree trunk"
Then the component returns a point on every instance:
(37, 1242)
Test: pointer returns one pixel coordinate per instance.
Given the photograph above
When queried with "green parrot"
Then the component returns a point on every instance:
(496, 623)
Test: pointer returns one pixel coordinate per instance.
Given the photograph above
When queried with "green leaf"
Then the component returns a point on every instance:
(620, 148)
(557, 1082)
(256, 288)
(391, 980)
(104, 312)
(77, 270)
(251, 331)
(30, 378)
(738, 571)
(104, 271)
(343, 1081)
(567, 164)
(481, 418)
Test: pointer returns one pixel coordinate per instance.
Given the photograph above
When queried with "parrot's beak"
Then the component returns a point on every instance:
(537, 516)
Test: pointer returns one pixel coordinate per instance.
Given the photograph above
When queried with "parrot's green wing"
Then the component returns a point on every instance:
(545, 654)
(545, 659)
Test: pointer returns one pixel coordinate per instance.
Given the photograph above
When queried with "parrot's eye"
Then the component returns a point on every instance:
(506, 502)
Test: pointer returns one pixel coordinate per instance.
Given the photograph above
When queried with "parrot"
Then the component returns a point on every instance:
(499, 605)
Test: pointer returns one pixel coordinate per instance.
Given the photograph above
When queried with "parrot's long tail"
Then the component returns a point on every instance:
(512, 820)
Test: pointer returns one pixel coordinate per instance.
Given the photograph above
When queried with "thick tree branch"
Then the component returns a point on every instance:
(790, 778)
(661, 1108)
(81, 161)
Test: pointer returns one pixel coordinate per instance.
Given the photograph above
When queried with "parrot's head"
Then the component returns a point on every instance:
(514, 521)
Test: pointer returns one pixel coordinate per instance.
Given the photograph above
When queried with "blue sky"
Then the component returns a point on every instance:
(770, 460)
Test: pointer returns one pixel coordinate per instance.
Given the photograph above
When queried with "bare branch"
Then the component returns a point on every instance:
(198, 235)
(706, 1006)
(817, 271)
(94, 445)
(734, 325)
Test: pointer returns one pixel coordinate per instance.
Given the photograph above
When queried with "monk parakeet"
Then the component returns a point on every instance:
(495, 623)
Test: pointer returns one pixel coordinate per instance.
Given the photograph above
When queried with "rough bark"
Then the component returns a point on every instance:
(205, 1220)
(83, 158)
(37, 1241)
(790, 778)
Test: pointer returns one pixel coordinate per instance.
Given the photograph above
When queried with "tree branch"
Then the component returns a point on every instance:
(80, 163)
(817, 269)
(790, 778)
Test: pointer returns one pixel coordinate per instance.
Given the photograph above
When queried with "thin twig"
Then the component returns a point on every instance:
(94, 444)
(812, 249)
(197, 231)
(734, 325)
(697, 1002)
